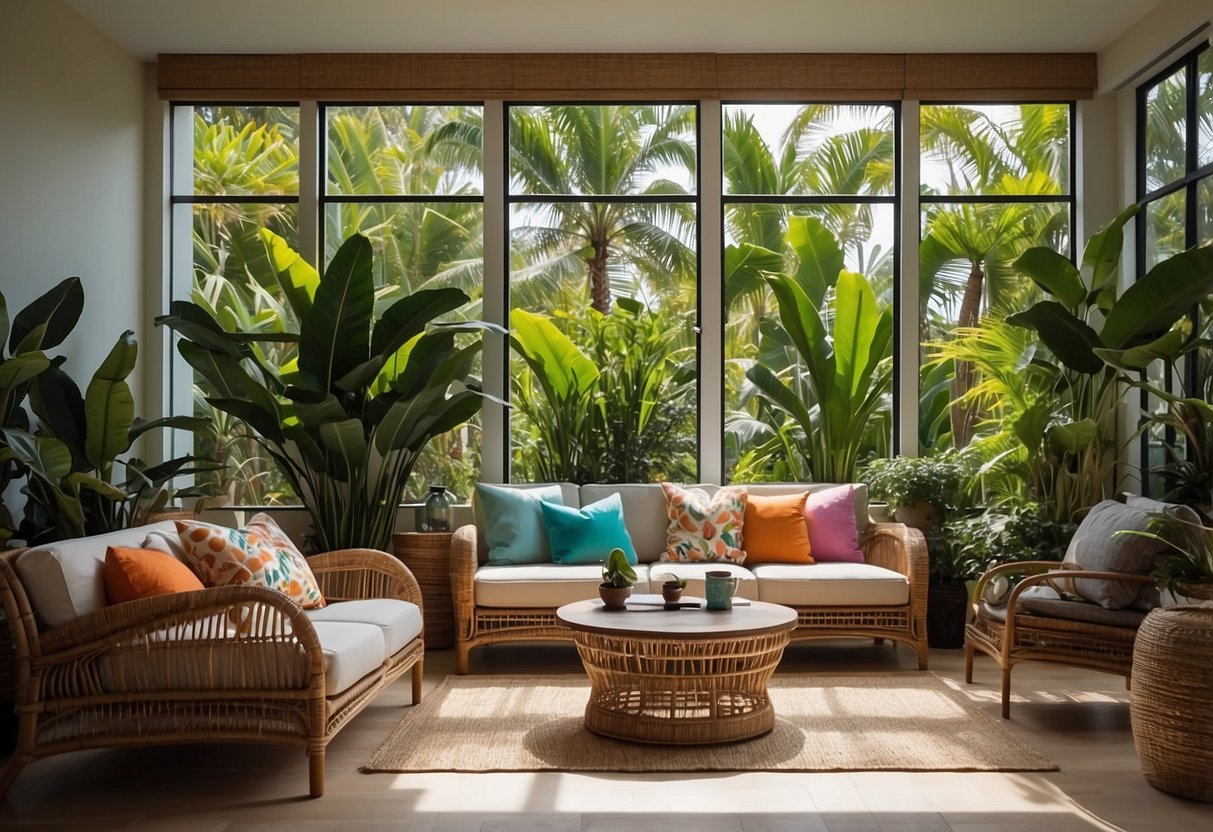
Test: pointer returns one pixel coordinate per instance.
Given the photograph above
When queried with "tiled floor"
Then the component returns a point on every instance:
(1078, 719)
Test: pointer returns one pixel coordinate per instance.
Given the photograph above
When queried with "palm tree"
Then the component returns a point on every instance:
(1024, 155)
(604, 150)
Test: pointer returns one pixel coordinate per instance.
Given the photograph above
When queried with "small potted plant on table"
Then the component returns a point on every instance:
(617, 579)
(671, 590)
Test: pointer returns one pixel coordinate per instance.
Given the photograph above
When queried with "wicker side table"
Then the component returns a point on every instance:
(1172, 705)
(428, 557)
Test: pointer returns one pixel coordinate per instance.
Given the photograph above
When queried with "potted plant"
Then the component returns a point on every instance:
(920, 491)
(672, 589)
(617, 579)
(1187, 572)
(348, 419)
(954, 564)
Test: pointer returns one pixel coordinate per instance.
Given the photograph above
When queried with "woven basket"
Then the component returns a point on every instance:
(1172, 706)
(428, 557)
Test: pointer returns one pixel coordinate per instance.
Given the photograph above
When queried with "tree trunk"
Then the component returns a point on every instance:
(600, 284)
(962, 416)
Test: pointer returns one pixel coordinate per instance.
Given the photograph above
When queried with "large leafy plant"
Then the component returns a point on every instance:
(843, 373)
(80, 482)
(348, 418)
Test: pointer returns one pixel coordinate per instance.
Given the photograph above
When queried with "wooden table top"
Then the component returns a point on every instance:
(754, 618)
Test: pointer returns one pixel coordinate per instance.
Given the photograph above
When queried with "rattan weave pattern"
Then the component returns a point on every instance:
(428, 557)
(1172, 704)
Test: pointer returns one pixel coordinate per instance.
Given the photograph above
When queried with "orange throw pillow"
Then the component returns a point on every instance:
(131, 574)
(775, 531)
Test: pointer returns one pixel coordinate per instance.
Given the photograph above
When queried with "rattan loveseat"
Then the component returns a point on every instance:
(884, 598)
(225, 664)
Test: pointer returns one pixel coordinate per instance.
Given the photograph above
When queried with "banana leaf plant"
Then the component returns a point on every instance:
(842, 377)
(40, 326)
(347, 419)
(1148, 321)
(74, 457)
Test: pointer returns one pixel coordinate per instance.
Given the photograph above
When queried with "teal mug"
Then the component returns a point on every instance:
(720, 587)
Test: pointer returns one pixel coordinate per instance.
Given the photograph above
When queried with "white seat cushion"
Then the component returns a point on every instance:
(64, 580)
(831, 585)
(351, 651)
(543, 584)
(399, 620)
(659, 573)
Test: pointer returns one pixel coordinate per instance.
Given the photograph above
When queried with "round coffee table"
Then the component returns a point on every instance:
(686, 676)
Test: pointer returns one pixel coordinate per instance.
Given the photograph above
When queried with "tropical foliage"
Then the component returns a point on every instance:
(347, 418)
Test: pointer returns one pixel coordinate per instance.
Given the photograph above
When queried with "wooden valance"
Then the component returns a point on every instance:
(627, 76)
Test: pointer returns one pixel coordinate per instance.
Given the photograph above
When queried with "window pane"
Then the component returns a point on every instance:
(1166, 130)
(246, 150)
(395, 150)
(234, 282)
(1204, 106)
(603, 149)
(634, 418)
(995, 149)
(1165, 227)
(858, 238)
(1204, 211)
(801, 149)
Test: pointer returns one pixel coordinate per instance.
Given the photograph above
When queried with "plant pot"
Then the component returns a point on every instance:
(921, 515)
(671, 592)
(614, 597)
(947, 605)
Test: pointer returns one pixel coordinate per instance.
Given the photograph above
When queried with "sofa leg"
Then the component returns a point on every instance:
(923, 654)
(15, 765)
(418, 673)
(1006, 693)
(315, 772)
(968, 662)
(461, 658)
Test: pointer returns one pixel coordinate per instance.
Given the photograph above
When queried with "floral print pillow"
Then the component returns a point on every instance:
(704, 528)
(261, 554)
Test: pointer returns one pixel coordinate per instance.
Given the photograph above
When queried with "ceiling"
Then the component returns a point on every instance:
(148, 27)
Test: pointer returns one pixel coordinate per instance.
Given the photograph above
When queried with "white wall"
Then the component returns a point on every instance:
(71, 141)
(1158, 32)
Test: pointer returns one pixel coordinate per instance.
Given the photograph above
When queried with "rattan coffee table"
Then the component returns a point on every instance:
(680, 676)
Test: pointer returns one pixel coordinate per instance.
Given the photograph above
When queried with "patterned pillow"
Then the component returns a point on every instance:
(704, 528)
(260, 555)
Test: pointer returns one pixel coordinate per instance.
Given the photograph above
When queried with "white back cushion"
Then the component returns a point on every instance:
(64, 579)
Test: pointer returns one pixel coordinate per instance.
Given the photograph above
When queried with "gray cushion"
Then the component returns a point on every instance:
(1045, 602)
(1148, 597)
(1096, 547)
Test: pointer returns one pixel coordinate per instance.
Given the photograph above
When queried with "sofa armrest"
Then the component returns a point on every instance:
(903, 549)
(353, 574)
(1023, 567)
(464, 562)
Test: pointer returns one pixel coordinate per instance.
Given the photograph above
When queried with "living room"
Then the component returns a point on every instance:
(672, 202)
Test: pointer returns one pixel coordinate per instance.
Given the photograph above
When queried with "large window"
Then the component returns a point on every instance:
(242, 177)
(809, 190)
(411, 179)
(995, 180)
(603, 284)
(1175, 190)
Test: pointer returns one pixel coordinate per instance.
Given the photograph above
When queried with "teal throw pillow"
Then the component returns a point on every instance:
(588, 534)
(513, 523)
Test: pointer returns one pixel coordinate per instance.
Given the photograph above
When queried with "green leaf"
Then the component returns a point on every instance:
(347, 441)
(779, 394)
(1030, 427)
(335, 335)
(804, 326)
(314, 414)
(47, 458)
(745, 265)
(190, 423)
(109, 407)
(1166, 293)
(296, 276)
(19, 369)
(49, 319)
(80, 479)
(1102, 254)
(3, 321)
(308, 448)
(266, 422)
(1073, 437)
(409, 316)
(1055, 274)
(855, 319)
(1070, 339)
(57, 402)
(552, 356)
(821, 258)
(191, 321)
(224, 374)
(1166, 348)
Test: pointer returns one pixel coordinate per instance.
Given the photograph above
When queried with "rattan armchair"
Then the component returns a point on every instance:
(1025, 637)
(226, 664)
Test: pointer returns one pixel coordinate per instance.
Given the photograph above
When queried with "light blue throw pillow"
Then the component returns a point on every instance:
(588, 534)
(513, 522)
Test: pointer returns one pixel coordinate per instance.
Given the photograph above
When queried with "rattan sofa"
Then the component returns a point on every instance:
(884, 598)
(226, 664)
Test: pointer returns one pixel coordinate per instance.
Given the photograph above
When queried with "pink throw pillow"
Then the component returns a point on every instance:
(830, 517)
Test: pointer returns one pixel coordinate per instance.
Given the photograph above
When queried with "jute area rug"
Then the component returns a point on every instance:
(860, 722)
